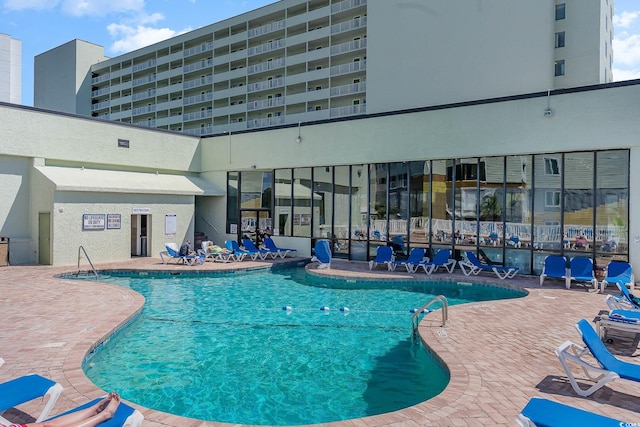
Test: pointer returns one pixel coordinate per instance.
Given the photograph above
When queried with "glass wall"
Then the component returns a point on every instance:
(512, 210)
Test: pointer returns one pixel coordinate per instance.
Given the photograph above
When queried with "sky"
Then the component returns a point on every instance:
(122, 26)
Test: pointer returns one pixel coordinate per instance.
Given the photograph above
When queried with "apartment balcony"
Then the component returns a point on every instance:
(144, 80)
(269, 84)
(142, 95)
(351, 46)
(199, 131)
(207, 80)
(101, 92)
(348, 110)
(205, 63)
(101, 78)
(197, 115)
(266, 47)
(143, 110)
(266, 66)
(265, 103)
(100, 106)
(346, 5)
(268, 121)
(144, 65)
(352, 67)
(266, 29)
(204, 47)
(349, 89)
(309, 96)
(205, 97)
(150, 123)
(350, 25)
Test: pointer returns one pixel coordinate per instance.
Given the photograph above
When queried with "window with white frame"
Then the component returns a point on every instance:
(551, 166)
(559, 68)
(559, 39)
(552, 199)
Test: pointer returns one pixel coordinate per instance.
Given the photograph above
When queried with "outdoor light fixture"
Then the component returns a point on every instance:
(299, 138)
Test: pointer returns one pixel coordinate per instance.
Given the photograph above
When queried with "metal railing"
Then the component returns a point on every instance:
(82, 250)
(444, 309)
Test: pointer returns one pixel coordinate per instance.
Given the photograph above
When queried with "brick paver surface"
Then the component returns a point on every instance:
(499, 353)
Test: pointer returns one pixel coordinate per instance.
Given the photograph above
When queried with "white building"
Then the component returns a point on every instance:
(298, 61)
(10, 69)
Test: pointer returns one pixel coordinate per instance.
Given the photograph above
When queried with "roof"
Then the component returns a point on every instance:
(109, 181)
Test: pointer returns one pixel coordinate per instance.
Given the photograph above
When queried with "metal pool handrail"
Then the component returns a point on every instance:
(444, 309)
(81, 248)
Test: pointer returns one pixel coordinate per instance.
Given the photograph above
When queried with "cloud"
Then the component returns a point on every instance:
(626, 50)
(130, 38)
(100, 7)
(29, 4)
(625, 19)
(620, 75)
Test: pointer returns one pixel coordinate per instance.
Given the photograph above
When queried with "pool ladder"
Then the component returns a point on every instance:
(82, 250)
(444, 309)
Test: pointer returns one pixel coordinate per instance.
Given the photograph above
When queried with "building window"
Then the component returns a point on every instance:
(559, 68)
(551, 166)
(560, 11)
(552, 199)
(560, 39)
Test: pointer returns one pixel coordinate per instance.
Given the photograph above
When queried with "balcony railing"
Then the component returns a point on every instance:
(204, 47)
(349, 46)
(100, 105)
(346, 5)
(349, 25)
(204, 130)
(146, 94)
(269, 84)
(198, 82)
(144, 80)
(198, 98)
(144, 65)
(349, 89)
(266, 66)
(268, 28)
(348, 110)
(100, 78)
(143, 110)
(99, 92)
(267, 47)
(269, 121)
(198, 115)
(205, 63)
(351, 67)
(266, 103)
(147, 123)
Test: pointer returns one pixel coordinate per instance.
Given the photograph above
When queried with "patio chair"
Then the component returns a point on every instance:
(262, 253)
(173, 253)
(622, 320)
(618, 272)
(271, 245)
(322, 254)
(125, 415)
(384, 255)
(472, 265)
(625, 301)
(541, 412)
(442, 259)
(555, 266)
(237, 252)
(416, 256)
(608, 367)
(214, 253)
(27, 388)
(581, 270)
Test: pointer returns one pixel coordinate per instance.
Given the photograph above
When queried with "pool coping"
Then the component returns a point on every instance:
(489, 382)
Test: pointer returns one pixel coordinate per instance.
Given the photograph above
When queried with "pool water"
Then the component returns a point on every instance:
(224, 348)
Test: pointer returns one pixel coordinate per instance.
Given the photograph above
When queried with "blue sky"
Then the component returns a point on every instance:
(125, 25)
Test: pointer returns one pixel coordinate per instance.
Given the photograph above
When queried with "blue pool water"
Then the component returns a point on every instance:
(222, 348)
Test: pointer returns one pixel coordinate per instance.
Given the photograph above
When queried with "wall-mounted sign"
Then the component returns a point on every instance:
(137, 210)
(114, 222)
(170, 224)
(93, 221)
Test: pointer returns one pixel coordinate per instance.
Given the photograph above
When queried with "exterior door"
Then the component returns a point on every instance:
(44, 238)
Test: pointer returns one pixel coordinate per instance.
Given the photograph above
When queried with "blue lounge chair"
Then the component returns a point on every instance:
(26, 388)
(581, 270)
(384, 255)
(416, 257)
(541, 412)
(608, 367)
(442, 259)
(625, 301)
(262, 253)
(555, 266)
(125, 415)
(282, 252)
(622, 320)
(472, 265)
(234, 248)
(322, 254)
(618, 272)
(172, 251)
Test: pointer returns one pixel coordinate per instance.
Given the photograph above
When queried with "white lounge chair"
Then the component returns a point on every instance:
(26, 388)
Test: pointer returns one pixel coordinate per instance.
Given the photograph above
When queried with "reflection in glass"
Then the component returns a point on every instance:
(491, 199)
(340, 211)
(378, 205)
(612, 197)
(419, 204)
(518, 212)
(232, 202)
(256, 190)
(441, 220)
(359, 213)
(283, 207)
(302, 202)
(578, 202)
(547, 197)
(468, 171)
(322, 201)
(398, 207)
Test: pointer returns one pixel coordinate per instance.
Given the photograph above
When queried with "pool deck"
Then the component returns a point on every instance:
(499, 353)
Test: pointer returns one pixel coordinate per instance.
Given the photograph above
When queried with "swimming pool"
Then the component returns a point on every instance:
(275, 348)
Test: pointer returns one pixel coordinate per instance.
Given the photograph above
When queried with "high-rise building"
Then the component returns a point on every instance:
(296, 61)
(10, 69)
